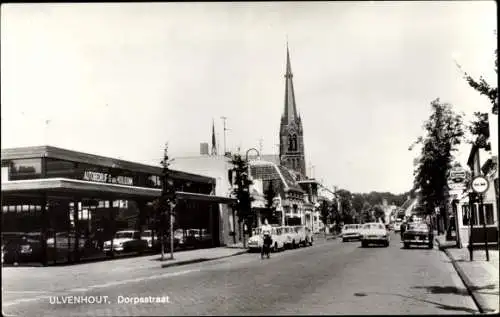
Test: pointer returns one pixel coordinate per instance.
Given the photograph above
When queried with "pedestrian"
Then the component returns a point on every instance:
(402, 229)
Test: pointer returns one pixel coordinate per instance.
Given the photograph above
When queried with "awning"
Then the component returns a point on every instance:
(77, 187)
(73, 187)
(204, 197)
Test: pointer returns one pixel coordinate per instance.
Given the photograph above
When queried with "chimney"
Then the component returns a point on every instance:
(204, 148)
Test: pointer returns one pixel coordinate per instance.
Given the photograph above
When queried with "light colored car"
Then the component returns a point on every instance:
(292, 237)
(65, 240)
(125, 241)
(255, 242)
(374, 233)
(351, 232)
(302, 235)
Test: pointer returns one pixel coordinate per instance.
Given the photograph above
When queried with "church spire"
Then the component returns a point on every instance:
(214, 143)
(290, 111)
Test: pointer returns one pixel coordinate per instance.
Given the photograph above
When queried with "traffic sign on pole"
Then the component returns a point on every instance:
(480, 184)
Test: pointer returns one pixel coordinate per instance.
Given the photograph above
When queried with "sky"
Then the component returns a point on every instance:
(121, 80)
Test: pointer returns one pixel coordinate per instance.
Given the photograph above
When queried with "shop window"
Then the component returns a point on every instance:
(60, 168)
(25, 169)
(488, 208)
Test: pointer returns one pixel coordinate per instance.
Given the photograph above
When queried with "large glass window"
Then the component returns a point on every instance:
(465, 215)
(60, 168)
(488, 208)
(25, 169)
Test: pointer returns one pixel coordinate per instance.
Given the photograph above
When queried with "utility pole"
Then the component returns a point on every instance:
(225, 129)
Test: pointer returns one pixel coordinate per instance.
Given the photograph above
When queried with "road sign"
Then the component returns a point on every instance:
(480, 184)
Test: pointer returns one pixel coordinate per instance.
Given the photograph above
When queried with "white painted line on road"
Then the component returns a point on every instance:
(139, 279)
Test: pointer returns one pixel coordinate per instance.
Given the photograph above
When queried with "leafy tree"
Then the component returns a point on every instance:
(345, 202)
(483, 87)
(241, 190)
(379, 213)
(366, 215)
(444, 131)
(479, 128)
(325, 213)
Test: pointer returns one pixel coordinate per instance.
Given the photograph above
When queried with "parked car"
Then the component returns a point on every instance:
(418, 233)
(66, 240)
(126, 241)
(301, 234)
(196, 238)
(351, 232)
(374, 233)
(17, 248)
(292, 237)
(277, 235)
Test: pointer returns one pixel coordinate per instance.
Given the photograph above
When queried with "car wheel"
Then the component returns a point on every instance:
(387, 244)
(364, 244)
(431, 245)
(293, 244)
(406, 245)
(344, 240)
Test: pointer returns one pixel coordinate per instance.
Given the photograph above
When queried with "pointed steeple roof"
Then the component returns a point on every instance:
(290, 111)
(214, 143)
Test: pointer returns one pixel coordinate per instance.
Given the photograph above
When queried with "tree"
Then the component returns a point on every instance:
(345, 202)
(479, 127)
(270, 194)
(379, 213)
(444, 131)
(366, 215)
(241, 190)
(324, 213)
(483, 87)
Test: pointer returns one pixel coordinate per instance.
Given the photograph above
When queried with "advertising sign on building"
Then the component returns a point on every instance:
(107, 178)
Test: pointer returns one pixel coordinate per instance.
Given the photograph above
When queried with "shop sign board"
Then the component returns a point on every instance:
(107, 178)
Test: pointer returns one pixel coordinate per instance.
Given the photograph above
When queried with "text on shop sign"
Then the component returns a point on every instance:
(107, 178)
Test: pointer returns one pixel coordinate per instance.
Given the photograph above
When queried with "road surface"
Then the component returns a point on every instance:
(329, 278)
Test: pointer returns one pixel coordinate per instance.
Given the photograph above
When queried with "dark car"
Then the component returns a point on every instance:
(418, 234)
(21, 248)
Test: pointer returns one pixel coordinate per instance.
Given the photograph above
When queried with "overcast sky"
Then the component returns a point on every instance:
(121, 79)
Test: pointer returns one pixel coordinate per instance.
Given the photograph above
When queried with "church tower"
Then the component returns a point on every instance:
(291, 133)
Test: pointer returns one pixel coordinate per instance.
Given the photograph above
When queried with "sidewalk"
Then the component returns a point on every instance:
(479, 276)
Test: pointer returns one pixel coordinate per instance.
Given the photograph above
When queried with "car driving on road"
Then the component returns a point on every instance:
(418, 233)
(351, 232)
(374, 233)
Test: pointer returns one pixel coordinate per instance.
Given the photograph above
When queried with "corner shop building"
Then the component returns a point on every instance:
(48, 190)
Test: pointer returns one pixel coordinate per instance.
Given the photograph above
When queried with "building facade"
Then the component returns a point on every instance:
(51, 193)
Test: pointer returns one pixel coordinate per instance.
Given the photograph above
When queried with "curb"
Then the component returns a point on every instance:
(478, 300)
(198, 260)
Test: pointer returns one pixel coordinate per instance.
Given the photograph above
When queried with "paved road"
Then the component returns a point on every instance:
(330, 278)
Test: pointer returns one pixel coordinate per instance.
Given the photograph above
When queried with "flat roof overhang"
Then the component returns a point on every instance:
(73, 187)
(204, 197)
